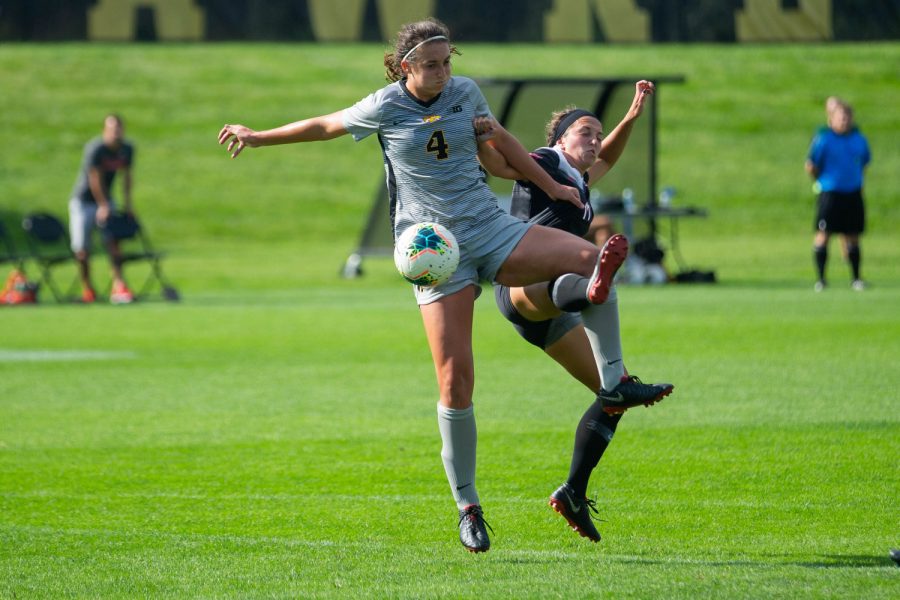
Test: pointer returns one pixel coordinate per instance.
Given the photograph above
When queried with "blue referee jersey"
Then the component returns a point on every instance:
(839, 159)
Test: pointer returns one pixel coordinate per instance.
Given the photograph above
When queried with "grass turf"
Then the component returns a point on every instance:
(274, 434)
(284, 444)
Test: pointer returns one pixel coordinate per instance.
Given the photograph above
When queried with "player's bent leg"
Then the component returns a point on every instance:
(573, 352)
(544, 254)
(572, 292)
(533, 302)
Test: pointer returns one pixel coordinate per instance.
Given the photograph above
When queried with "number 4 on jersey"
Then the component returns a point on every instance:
(438, 145)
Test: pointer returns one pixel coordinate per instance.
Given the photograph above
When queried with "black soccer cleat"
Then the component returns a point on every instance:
(895, 556)
(472, 529)
(630, 393)
(577, 511)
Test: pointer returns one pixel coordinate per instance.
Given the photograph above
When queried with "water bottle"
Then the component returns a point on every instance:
(628, 200)
(665, 197)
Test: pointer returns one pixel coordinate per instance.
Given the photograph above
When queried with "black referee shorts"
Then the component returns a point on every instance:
(841, 212)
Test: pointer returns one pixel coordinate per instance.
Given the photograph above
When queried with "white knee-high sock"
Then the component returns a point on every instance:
(601, 323)
(459, 435)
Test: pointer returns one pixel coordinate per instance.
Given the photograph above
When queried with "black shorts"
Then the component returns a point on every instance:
(537, 333)
(840, 212)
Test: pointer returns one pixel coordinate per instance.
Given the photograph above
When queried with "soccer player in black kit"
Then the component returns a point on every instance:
(576, 155)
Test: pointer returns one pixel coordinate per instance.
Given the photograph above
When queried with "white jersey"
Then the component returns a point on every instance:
(430, 155)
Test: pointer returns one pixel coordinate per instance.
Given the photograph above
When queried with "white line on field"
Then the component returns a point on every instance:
(7, 355)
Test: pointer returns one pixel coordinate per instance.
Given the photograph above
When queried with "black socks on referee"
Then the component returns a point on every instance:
(592, 436)
(820, 254)
(855, 257)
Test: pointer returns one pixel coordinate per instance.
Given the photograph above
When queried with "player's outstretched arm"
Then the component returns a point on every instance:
(519, 159)
(495, 163)
(490, 158)
(316, 129)
(614, 144)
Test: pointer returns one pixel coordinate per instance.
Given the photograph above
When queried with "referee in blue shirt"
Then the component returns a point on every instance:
(837, 158)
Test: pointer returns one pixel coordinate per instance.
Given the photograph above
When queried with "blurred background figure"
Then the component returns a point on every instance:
(837, 159)
(92, 204)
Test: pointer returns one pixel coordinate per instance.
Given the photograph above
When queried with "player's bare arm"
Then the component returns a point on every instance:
(96, 184)
(519, 159)
(494, 162)
(316, 129)
(614, 144)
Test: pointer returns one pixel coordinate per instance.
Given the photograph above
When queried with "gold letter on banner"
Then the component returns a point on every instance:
(767, 21)
(341, 21)
(334, 21)
(568, 21)
(621, 20)
(394, 14)
(175, 19)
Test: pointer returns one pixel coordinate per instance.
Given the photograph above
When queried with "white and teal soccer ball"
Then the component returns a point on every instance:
(426, 254)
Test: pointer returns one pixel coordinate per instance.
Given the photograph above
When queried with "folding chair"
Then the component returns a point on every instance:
(49, 246)
(135, 246)
(8, 253)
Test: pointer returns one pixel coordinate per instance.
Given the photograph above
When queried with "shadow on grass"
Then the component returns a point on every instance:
(853, 561)
(826, 561)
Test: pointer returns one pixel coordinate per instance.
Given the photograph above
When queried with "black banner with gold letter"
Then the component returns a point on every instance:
(569, 21)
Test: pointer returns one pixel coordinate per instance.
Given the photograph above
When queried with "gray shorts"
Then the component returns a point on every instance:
(82, 221)
(480, 258)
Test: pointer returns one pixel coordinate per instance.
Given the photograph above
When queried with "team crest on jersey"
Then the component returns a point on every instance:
(431, 118)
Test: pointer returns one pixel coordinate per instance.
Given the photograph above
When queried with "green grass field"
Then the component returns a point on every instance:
(274, 434)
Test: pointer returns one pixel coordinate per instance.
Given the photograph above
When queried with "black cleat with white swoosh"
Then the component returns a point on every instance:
(632, 392)
(472, 531)
(577, 511)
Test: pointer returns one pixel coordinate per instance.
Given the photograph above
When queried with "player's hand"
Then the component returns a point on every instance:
(102, 214)
(643, 89)
(484, 128)
(238, 137)
(564, 193)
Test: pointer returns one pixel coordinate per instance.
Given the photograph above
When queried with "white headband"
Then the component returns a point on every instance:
(416, 47)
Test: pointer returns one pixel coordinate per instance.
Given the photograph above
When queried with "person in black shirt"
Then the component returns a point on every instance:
(576, 154)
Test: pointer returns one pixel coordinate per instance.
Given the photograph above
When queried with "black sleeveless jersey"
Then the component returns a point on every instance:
(531, 203)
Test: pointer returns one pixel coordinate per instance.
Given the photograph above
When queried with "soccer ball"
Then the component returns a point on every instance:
(426, 254)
